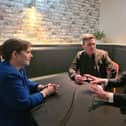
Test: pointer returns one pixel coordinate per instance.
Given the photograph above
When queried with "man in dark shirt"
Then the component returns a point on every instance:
(91, 61)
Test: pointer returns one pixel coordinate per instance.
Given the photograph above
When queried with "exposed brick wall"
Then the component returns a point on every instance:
(51, 21)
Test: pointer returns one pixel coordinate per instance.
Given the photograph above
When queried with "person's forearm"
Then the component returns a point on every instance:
(72, 73)
(107, 96)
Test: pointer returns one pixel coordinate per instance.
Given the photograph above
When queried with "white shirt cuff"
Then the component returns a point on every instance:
(106, 82)
(111, 99)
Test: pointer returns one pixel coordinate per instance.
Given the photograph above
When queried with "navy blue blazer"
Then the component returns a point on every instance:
(17, 96)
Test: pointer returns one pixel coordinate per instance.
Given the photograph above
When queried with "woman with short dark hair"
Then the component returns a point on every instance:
(18, 94)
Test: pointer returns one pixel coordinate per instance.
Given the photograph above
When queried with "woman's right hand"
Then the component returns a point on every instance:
(50, 89)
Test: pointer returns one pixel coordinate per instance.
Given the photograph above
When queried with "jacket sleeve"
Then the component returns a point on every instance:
(18, 95)
(119, 98)
(119, 82)
(74, 67)
(110, 67)
(32, 84)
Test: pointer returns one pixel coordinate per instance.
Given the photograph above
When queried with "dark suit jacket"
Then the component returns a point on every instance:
(96, 65)
(119, 98)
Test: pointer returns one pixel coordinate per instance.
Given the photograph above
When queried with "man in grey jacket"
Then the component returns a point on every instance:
(91, 61)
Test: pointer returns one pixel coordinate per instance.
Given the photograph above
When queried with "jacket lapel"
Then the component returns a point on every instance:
(97, 60)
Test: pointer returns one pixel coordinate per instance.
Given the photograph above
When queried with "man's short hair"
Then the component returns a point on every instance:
(86, 37)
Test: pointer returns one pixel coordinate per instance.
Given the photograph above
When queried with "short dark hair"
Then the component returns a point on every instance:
(11, 45)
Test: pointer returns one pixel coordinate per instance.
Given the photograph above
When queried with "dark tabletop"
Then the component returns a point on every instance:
(70, 107)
